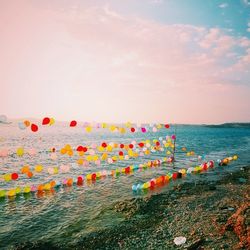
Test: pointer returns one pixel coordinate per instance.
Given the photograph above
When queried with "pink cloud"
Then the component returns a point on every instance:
(95, 64)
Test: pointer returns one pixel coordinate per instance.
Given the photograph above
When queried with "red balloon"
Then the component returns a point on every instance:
(73, 123)
(175, 175)
(79, 148)
(46, 121)
(14, 176)
(34, 127)
(152, 184)
(79, 180)
(84, 149)
(141, 144)
(131, 145)
(132, 130)
(157, 143)
(121, 153)
(93, 176)
(167, 126)
(121, 145)
(104, 144)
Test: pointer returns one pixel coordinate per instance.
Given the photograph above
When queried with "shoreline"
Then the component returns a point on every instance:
(200, 212)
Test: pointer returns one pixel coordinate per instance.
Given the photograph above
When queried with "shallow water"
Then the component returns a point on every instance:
(68, 213)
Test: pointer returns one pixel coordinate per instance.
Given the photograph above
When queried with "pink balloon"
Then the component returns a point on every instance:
(4, 152)
(32, 152)
(53, 156)
(98, 162)
(154, 129)
(110, 160)
(91, 152)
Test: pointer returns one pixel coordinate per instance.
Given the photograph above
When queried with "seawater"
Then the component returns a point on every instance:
(64, 216)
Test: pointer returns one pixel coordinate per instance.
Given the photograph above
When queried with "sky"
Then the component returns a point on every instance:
(129, 60)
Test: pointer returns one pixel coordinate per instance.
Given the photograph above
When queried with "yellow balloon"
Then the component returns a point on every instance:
(88, 129)
(47, 186)
(109, 148)
(26, 189)
(235, 157)
(95, 157)
(56, 170)
(89, 158)
(7, 177)
(68, 147)
(104, 125)
(121, 157)
(20, 151)
(11, 193)
(80, 161)
(88, 176)
(52, 121)
(38, 168)
(104, 156)
(122, 130)
(18, 190)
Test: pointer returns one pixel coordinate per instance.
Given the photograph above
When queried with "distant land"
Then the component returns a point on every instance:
(231, 125)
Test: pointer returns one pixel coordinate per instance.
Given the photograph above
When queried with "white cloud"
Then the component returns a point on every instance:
(223, 5)
(246, 2)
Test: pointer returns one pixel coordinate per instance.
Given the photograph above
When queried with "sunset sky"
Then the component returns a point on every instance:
(129, 60)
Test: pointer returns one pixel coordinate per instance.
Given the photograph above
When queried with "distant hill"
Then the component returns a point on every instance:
(230, 125)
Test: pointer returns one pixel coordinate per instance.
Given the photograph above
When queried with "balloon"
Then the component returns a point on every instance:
(25, 169)
(167, 126)
(11, 193)
(34, 127)
(14, 176)
(38, 168)
(121, 145)
(79, 148)
(20, 151)
(131, 146)
(154, 129)
(26, 189)
(173, 137)
(32, 152)
(21, 125)
(53, 156)
(73, 123)
(46, 121)
(7, 177)
(51, 170)
(143, 130)
(2, 193)
(132, 130)
(4, 152)
(26, 123)
(52, 121)
(88, 129)
(64, 168)
(79, 180)
(104, 144)
(30, 174)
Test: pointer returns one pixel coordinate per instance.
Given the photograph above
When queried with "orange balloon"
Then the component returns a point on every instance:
(25, 169)
(40, 188)
(26, 123)
(29, 174)
(70, 182)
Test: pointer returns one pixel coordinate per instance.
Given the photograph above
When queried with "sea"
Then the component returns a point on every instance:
(67, 213)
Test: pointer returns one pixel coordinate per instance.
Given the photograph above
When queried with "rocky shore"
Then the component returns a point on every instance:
(210, 215)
